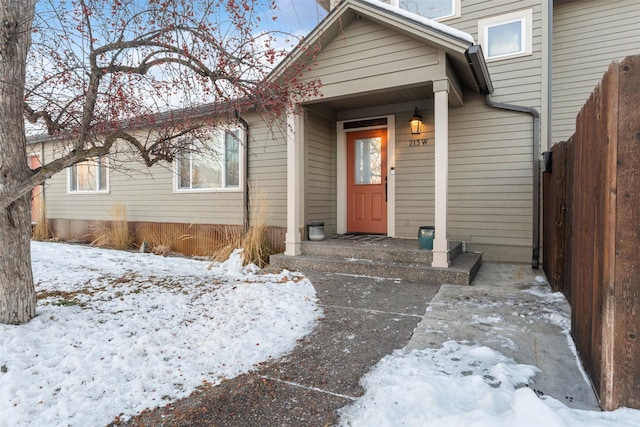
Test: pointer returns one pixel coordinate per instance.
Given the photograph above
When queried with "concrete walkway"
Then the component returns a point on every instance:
(511, 309)
(365, 319)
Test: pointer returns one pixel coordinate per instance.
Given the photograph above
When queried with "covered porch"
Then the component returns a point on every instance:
(377, 68)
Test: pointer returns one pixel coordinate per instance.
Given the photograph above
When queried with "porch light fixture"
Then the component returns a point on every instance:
(416, 123)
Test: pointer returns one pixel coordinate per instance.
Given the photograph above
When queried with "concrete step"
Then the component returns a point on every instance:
(396, 250)
(462, 271)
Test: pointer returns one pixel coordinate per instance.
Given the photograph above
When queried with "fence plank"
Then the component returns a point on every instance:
(568, 217)
(607, 282)
(582, 255)
(626, 340)
(554, 184)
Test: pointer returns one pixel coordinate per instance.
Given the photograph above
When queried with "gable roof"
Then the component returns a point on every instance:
(469, 67)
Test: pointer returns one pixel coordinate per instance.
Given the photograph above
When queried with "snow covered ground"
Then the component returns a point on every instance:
(463, 385)
(118, 332)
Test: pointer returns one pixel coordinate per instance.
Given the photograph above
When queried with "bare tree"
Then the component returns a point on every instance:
(91, 73)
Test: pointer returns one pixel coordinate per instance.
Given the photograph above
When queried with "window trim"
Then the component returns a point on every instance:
(456, 5)
(99, 191)
(525, 17)
(239, 188)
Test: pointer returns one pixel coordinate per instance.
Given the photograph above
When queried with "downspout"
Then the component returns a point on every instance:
(483, 80)
(245, 175)
(535, 258)
(550, 76)
(43, 186)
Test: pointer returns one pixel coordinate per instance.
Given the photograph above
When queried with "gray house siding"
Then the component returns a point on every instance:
(587, 36)
(149, 194)
(414, 175)
(268, 168)
(490, 179)
(367, 57)
(320, 170)
(491, 151)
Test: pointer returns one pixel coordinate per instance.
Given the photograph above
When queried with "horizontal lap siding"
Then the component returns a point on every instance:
(587, 36)
(491, 151)
(320, 171)
(366, 57)
(490, 177)
(489, 198)
(414, 177)
(148, 193)
(268, 168)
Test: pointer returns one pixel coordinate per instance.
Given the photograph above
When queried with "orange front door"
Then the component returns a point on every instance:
(367, 181)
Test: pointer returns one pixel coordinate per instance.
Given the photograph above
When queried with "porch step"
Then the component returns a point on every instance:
(384, 249)
(390, 258)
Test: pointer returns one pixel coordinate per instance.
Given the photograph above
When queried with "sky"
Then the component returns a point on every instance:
(117, 332)
(299, 16)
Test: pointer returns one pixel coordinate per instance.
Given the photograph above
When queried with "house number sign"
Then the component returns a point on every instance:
(418, 142)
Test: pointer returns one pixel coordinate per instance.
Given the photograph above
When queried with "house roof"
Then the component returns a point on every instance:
(471, 71)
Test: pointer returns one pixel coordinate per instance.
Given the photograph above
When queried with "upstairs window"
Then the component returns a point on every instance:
(90, 176)
(432, 9)
(210, 165)
(506, 36)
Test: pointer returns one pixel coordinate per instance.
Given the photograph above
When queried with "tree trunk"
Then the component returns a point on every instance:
(17, 291)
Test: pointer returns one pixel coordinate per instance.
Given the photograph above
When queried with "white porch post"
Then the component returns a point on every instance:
(294, 184)
(441, 120)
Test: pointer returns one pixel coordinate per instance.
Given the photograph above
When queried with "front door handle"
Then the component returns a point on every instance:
(386, 179)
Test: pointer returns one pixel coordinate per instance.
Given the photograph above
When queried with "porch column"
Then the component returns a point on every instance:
(441, 121)
(294, 184)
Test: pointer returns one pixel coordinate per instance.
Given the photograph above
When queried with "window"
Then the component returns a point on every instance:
(368, 158)
(90, 176)
(506, 36)
(432, 9)
(211, 165)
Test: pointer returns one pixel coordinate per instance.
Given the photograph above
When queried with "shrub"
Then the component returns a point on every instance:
(115, 233)
(254, 244)
(40, 230)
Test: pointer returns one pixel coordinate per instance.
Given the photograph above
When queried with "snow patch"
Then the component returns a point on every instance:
(118, 332)
(464, 385)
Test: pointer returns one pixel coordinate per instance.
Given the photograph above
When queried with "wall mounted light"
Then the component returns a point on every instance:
(416, 123)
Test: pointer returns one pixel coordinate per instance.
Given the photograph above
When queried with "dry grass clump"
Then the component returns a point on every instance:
(41, 231)
(255, 244)
(115, 233)
(230, 240)
(164, 241)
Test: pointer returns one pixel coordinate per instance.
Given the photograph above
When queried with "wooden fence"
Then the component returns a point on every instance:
(591, 233)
